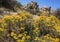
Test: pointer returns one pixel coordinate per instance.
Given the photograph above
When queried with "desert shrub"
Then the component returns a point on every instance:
(23, 28)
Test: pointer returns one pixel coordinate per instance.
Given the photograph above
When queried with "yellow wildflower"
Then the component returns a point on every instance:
(43, 41)
(20, 35)
(22, 28)
(12, 33)
(15, 37)
(27, 37)
(36, 38)
(19, 40)
(23, 38)
(1, 29)
(57, 28)
(56, 40)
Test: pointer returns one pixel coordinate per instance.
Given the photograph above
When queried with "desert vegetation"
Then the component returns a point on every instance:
(28, 23)
(24, 28)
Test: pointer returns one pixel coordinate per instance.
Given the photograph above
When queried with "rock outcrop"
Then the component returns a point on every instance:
(46, 10)
(32, 7)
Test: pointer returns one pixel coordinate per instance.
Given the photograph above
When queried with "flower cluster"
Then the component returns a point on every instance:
(23, 28)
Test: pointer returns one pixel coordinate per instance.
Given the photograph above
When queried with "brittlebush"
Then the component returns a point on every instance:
(23, 28)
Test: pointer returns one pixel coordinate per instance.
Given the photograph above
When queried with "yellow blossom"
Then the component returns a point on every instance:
(27, 37)
(19, 40)
(36, 38)
(1, 29)
(12, 33)
(20, 35)
(22, 28)
(23, 38)
(15, 37)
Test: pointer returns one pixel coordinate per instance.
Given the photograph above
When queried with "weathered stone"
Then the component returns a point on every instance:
(32, 7)
(46, 10)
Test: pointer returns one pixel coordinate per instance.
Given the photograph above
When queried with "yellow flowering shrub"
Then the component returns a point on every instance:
(23, 28)
(48, 38)
(47, 25)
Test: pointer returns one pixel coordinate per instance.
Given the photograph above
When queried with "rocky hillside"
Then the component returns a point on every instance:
(10, 4)
(8, 7)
